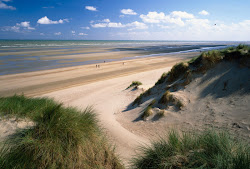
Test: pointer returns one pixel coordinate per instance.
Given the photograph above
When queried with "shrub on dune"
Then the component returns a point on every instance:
(209, 149)
(60, 138)
(134, 84)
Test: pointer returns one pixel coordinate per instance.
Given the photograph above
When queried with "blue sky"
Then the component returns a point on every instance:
(125, 19)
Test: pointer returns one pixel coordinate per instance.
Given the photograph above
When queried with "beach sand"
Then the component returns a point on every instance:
(104, 88)
(39, 82)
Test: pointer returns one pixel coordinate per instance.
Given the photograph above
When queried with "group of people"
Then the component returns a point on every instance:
(98, 66)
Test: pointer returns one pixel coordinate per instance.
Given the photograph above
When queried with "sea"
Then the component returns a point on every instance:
(19, 56)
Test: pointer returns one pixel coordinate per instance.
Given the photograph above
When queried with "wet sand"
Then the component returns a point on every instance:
(40, 82)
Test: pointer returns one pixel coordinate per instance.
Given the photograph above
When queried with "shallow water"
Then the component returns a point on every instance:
(18, 56)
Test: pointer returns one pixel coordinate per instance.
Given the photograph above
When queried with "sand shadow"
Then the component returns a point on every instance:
(230, 79)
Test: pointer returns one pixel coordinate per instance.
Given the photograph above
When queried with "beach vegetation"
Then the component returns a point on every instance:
(167, 98)
(138, 100)
(206, 149)
(134, 84)
(161, 113)
(147, 112)
(177, 70)
(61, 137)
(162, 78)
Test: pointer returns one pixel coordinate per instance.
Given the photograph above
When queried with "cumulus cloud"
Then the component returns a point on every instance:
(203, 12)
(106, 20)
(174, 17)
(99, 25)
(42, 34)
(19, 27)
(90, 8)
(3, 5)
(137, 25)
(128, 12)
(46, 21)
(26, 25)
(131, 26)
(82, 34)
(57, 33)
(181, 14)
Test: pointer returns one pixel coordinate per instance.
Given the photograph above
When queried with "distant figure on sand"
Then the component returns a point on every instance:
(123, 63)
(104, 61)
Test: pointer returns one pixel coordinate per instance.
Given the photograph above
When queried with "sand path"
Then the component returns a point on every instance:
(109, 97)
(103, 88)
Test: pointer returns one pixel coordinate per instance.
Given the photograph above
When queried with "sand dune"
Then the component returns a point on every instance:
(208, 102)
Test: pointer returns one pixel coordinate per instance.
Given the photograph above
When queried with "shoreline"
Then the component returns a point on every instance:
(15, 61)
(44, 81)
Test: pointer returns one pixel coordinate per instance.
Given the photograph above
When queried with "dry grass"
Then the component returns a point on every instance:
(61, 137)
(147, 112)
(134, 84)
(208, 149)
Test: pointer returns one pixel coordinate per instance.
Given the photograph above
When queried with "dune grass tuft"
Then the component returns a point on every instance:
(177, 70)
(134, 84)
(208, 149)
(61, 137)
(147, 112)
(161, 113)
(167, 98)
(162, 78)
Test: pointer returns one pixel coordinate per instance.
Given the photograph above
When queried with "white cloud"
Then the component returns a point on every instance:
(106, 20)
(26, 25)
(85, 27)
(82, 34)
(115, 25)
(175, 17)
(73, 32)
(19, 27)
(42, 34)
(90, 8)
(45, 20)
(122, 16)
(137, 25)
(203, 12)
(57, 33)
(153, 17)
(128, 12)
(181, 14)
(131, 26)
(99, 25)
(5, 6)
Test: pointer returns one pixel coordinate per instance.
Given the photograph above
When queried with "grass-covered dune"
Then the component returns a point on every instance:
(208, 149)
(60, 137)
(182, 74)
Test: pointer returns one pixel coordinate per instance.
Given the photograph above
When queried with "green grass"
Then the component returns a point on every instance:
(167, 98)
(134, 84)
(205, 61)
(162, 78)
(147, 112)
(208, 149)
(61, 137)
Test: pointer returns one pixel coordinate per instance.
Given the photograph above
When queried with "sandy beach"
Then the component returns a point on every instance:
(39, 82)
(104, 89)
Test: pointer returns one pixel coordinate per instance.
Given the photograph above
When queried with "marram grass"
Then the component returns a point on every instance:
(61, 137)
(209, 149)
